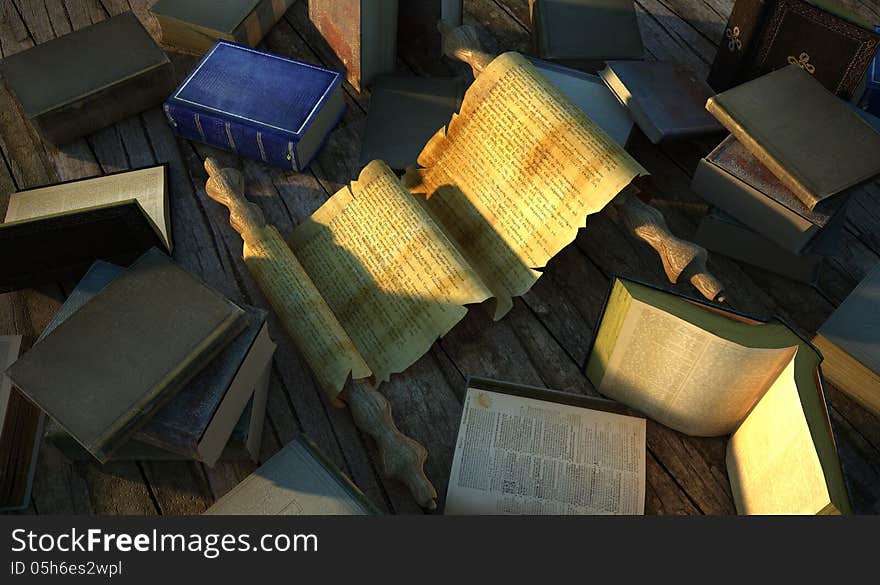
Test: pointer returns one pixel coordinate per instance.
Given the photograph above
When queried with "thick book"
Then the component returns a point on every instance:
(257, 104)
(21, 426)
(405, 112)
(362, 33)
(871, 97)
(721, 233)
(56, 232)
(88, 79)
(112, 364)
(197, 422)
(850, 342)
(527, 450)
(196, 25)
(417, 32)
(734, 180)
(822, 37)
(666, 100)
(706, 371)
(592, 96)
(298, 480)
(588, 30)
(813, 142)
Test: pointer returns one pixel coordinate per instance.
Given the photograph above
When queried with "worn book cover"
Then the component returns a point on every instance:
(820, 36)
(298, 480)
(55, 232)
(257, 104)
(850, 342)
(594, 30)
(362, 33)
(598, 467)
(733, 179)
(104, 371)
(405, 112)
(88, 79)
(196, 25)
(816, 145)
(706, 371)
(666, 100)
(198, 421)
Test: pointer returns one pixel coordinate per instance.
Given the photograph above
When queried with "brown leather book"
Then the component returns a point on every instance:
(809, 139)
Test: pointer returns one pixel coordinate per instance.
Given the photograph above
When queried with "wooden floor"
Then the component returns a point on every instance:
(543, 341)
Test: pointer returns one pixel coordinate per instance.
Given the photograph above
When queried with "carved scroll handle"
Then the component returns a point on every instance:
(402, 457)
(680, 258)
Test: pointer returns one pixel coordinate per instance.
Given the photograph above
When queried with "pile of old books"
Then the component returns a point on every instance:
(144, 361)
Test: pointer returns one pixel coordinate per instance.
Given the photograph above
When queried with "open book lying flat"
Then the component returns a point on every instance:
(705, 371)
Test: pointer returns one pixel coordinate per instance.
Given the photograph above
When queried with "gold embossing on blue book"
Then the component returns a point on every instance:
(257, 104)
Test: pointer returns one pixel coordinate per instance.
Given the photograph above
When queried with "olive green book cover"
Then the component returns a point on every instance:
(112, 364)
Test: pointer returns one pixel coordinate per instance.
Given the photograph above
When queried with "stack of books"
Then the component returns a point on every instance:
(147, 362)
(781, 180)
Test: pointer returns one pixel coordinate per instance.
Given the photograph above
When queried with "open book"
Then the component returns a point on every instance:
(384, 268)
(705, 371)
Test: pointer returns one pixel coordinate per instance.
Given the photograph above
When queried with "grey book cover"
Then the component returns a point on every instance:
(811, 140)
(106, 369)
(180, 426)
(405, 112)
(722, 234)
(667, 100)
(298, 480)
(85, 80)
(854, 326)
(592, 96)
(586, 29)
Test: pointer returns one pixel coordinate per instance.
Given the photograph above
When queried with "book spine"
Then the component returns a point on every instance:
(743, 27)
(761, 153)
(232, 135)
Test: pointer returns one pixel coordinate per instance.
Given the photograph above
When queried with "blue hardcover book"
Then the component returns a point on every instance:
(258, 105)
(871, 98)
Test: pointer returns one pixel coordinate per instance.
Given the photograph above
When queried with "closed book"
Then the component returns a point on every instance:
(813, 142)
(829, 42)
(722, 234)
(83, 81)
(196, 25)
(112, 364)
(257, 104)
(871, 97)
(592, 96)
(417, 32)
(405, 112)
(56, 232)
(298, 480)
(734, 180)
(197, 422)
(592, 30)
(850, 342)
(666, 100)
(362, 33)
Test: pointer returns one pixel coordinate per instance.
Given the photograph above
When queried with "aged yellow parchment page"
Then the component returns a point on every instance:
(771, 459)
(324, 343)
(387, 271)
(516, 173)
(688, 379)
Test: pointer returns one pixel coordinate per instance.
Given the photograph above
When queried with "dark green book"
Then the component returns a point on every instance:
(197, 24)
(83, 81)
(590, 30)
(104, 371)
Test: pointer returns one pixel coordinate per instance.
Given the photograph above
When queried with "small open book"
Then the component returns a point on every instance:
(705, 371)
(57, 232)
